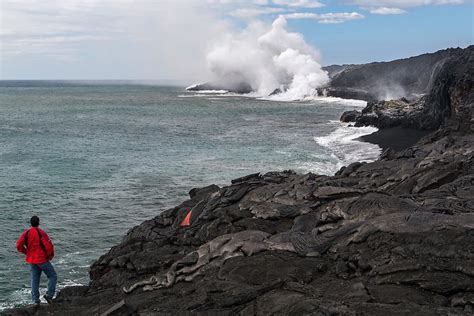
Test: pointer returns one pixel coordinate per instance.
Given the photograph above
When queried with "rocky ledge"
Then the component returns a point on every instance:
(391, 237)
(449, 96)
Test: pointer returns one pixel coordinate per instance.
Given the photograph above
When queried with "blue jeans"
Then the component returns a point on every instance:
(35, 271)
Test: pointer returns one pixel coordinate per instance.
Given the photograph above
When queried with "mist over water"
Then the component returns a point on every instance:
(268, 58)
(94, 160)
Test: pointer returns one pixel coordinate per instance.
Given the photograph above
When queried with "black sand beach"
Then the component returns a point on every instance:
(396, 138)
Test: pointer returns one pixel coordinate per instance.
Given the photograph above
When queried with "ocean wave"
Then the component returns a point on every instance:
(211, 91)
(193, 95)
(319, 99)
(351, 102)
(344, 148)
(22, 297)
(326, 168)
(17, 298)
(211, 94)
(283, 97)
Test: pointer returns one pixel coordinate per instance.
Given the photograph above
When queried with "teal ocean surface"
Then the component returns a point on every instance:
(92, 160)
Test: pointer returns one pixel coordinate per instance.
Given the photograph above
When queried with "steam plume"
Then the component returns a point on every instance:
(268, 58)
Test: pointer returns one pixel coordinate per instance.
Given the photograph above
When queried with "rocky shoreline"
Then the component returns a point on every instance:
(392, 237)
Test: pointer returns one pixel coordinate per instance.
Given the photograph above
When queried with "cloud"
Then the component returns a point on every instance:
(144, 38)
(247, 2)
(387, 11)
(245, 13)
(47, 29)
(288, 3)
(299, 3)
(107, 38)
(401, 3)
(395, 7)
(326, 18)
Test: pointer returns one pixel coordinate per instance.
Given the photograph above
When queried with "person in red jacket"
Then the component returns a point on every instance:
(39, 251)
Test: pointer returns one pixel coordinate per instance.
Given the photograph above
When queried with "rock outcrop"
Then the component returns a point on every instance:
(350, 116)
(450, 98)
(392, 237)
(240, 87)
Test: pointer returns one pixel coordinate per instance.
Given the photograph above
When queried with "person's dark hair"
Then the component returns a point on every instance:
(35, 221)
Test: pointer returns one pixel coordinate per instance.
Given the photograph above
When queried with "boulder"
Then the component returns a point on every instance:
(349, 116)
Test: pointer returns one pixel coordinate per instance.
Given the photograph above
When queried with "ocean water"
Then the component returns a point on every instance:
(92, 160)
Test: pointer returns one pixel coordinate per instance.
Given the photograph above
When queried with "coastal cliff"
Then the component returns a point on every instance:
(389, 237)
(410, 77)
(449, 97)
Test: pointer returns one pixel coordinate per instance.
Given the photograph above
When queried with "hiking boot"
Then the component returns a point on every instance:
(48, 299)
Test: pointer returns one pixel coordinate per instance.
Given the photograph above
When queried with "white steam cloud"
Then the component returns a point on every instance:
(268, 58)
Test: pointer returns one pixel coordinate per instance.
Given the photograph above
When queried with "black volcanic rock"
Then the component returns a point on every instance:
(395, 138)
(409, 77)
(240, 87)
(275, 92)
(392, 237)
(350, 116)
(450, 98)
(452, 94)
(348, 93)
(386, 114)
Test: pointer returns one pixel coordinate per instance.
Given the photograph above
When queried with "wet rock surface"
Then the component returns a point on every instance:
(350, 116)
(392, 237)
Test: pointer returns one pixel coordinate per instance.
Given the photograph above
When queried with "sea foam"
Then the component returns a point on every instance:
(342, 145)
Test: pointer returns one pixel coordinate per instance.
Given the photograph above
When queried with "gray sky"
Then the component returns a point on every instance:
(169, 39)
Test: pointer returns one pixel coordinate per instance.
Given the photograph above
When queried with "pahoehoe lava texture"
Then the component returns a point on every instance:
(391, 237)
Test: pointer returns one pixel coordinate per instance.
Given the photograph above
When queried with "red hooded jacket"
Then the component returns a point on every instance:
(35, 252)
